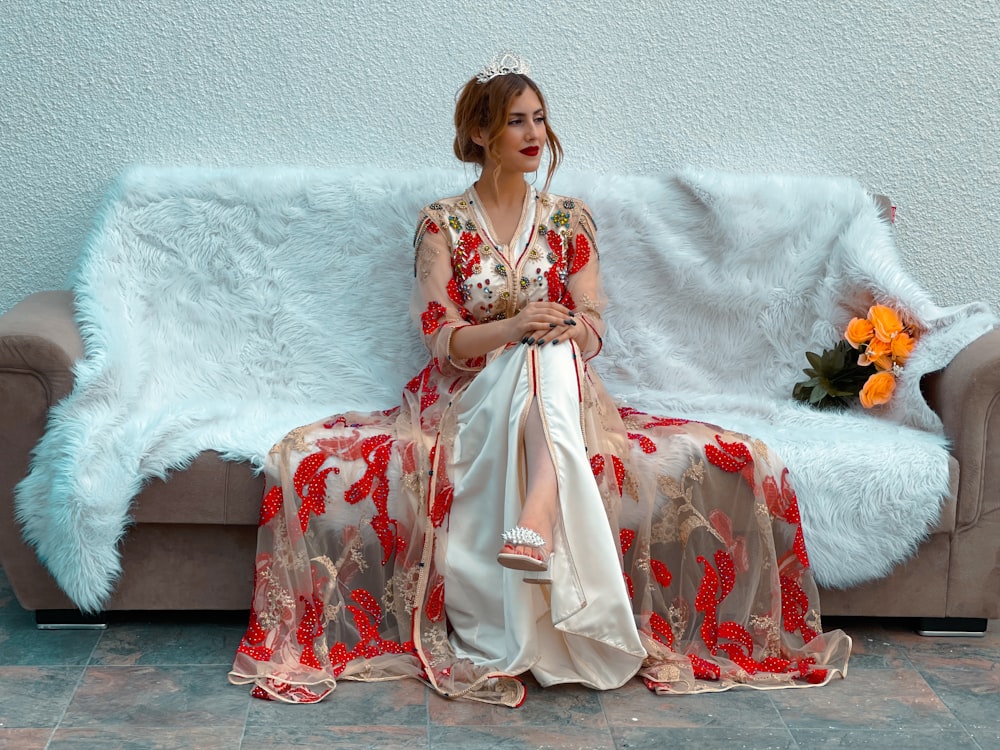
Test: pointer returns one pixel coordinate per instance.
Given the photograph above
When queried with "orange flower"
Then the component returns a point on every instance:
(859, 331)
(878, 389)
(878, 353)
(902, 345)
(885, 322)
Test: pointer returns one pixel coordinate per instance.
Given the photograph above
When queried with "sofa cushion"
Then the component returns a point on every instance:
(209, 491)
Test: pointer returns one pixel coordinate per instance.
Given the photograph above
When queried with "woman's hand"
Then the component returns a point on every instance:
(540, 323)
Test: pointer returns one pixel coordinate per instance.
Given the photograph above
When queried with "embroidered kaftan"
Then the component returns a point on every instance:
(679, 554)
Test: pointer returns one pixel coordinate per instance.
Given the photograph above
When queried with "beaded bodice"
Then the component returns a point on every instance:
(491, 280)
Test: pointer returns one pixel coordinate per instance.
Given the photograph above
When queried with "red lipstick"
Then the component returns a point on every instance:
(530, 151)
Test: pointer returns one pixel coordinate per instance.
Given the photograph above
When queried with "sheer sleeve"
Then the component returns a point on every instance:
(435, 305)
(586, 292)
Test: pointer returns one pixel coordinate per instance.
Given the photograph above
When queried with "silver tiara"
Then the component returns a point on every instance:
(503, 65)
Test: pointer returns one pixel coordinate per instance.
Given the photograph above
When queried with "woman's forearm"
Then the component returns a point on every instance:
(469, 342)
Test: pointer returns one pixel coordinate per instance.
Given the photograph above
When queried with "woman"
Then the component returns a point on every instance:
(631, 544)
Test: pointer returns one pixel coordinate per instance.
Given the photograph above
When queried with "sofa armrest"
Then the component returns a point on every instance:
(966, 395)
(39, 344)
(39, 337)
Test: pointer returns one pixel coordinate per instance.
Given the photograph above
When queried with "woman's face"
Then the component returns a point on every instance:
(520, 143)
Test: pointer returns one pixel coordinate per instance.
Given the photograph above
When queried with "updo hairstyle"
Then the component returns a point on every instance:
(486, 106)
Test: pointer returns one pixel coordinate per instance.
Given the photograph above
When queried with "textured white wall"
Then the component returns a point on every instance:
(901, 95)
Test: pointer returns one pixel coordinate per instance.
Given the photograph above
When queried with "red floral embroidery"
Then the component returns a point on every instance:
(376, 451)
(435, 602)
(253, 640)
(794, 607)
(627, 411)
(661, 573)
(597, 464)
(430, 317)
(704, 669)
(734, 457)
(626, 537)
(715, 586)
(661, 630)
(784, 504)
(310, 486)
(271, 504)
(466, 257)
(647, 445)
(579, 253)
(556, 275)
(432, 227)
(444, 491)
(310, 628)
(367, 618)
(619, 473)
(736, 545)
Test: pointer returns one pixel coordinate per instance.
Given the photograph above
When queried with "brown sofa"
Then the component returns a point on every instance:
(193, 540)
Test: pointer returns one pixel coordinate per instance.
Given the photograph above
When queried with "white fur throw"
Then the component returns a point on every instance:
(220, 308)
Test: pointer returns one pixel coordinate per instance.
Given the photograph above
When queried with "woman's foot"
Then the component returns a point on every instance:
(523, 549)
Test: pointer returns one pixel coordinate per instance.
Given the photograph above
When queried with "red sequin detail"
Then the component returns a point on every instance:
(794, 606)
(432, 227)
(703, 669)
(661, 573)
(661, 630)
(619, 473)
(627, 411)
(376, 451)
(430, 317)
(310, 628)
(435, 602)
(597, 464)
(444, 492)
(627, 537)
(253, 640)
(647, 445)
(310, 486)
(271, 504)
(579, 253)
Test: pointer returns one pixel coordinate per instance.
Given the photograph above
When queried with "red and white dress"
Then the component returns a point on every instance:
(679, 554)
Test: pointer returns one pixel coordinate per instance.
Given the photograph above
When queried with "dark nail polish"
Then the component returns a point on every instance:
(572, 314)
(541, 342)
(569, 322)
(524, 340)
(530, 341)
(553, 325)
(556, 341)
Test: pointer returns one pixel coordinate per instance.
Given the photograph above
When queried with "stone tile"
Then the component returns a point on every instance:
(35, 697)
(110, 698)
(634, 705)
(340, 737)
(902, 633)
(968, 684)
(164, 643)
(22, 644)
(930, 739)
(556, 706)
(889, 699)
(520, 738)
(393, 703)
(147, 738)
(24, 739)
(713, 738)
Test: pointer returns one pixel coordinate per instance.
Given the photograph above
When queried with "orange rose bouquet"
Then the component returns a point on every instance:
(880, 341)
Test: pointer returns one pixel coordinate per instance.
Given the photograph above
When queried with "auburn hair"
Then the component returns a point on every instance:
(486, 107)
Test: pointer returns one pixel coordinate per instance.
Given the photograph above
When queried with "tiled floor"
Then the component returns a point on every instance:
(162, 684)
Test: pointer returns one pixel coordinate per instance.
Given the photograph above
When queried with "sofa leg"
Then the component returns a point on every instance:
(69, 619)
(952, 626)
